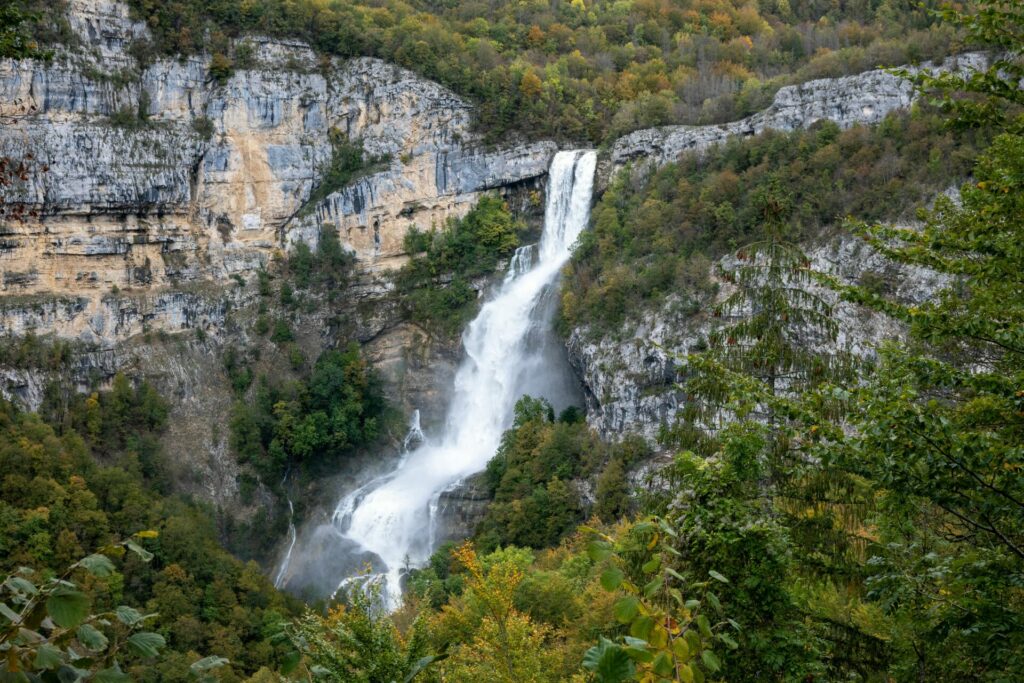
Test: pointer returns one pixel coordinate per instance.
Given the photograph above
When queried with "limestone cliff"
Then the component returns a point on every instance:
(154, 178)
(153, 192)
(633, 377)
(864, 98)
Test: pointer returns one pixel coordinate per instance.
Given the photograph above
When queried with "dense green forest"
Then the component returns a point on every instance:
(660, 235)
(305, 425)
(583, 70)
(817, 517)
(436, 287)
(81, 477)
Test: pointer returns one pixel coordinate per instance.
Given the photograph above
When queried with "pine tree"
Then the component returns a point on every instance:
(761, 505)
(938, 430)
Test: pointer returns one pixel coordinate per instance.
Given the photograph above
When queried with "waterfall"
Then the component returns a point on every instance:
(389, 522)
(292, 535)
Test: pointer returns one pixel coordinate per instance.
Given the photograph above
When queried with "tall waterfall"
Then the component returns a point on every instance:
(390, 521)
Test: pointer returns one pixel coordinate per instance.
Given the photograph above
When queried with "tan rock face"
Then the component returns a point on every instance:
(157, 179)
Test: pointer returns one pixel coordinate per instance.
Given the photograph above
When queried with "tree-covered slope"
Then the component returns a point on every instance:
(586, 70)
(92, 475)
(657, 234)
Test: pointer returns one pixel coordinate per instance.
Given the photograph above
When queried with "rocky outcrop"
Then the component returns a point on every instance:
(461, 509)
(159, 177)
(632, 378)
(860, 99)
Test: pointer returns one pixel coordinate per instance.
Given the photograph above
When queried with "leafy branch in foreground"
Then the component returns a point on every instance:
(671, 637)
(48, 631)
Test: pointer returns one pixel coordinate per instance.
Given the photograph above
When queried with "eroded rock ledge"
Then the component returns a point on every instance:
(864, 98)
(159, 178)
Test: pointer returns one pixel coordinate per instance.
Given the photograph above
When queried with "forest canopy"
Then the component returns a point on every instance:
(585, 70)
(811, 514)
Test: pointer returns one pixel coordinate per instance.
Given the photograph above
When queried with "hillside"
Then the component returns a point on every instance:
(656, 340)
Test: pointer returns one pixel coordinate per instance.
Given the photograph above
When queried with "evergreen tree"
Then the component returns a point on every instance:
(761, 505)
(940, 426)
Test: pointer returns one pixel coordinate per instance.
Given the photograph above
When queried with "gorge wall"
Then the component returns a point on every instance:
(632, 375)
(153, 193)
(158, 178)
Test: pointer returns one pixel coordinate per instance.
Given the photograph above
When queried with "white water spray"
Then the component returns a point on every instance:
(393, 518)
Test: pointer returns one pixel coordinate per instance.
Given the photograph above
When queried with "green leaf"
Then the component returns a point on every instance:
(146, 643)
(208, 663)
(128, 615)
(612, 578)
(662, 665)
(692, 639)
(710, 661)
(643, 527)
(728, 640)
(652, 566)
(608, 662)
(48, 657)
(638, 654)
(599, 550)
(685, 673)
(111, 675)
(143, 554)
(704, 625)
(635, 642)
(9, 614)
(642, 627)
(91, 638)
(21, 586)
(97, 565)
(716, 576)
(68, 608)
(680, 649)
(626, 609)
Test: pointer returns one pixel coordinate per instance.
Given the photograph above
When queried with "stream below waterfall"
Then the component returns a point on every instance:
(390, 523)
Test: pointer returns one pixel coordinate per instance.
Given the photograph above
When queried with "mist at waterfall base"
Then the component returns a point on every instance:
(390, 522)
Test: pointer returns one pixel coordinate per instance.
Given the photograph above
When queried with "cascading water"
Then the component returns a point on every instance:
(390, 521)
(292, 537)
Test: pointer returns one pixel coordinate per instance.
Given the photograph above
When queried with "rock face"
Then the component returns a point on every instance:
(632, 379)
(160, 177)
(150, 190)
(863, 98)
(147, 187)
(462, 508)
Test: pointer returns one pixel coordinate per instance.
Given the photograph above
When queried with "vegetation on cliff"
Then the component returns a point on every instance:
(290, 428)
(582, 70)
(658, 234)
(306, 425)
(437, 288)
